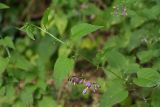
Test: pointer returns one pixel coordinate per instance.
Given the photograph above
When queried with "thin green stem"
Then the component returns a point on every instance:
(8, 52)
(100, 67)
(48, 34)
(114, 74)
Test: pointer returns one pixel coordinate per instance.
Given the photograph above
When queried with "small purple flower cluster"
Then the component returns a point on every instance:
(90, 86)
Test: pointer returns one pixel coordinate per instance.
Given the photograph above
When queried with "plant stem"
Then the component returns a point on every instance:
(7, 50)
(113, 74)
(48, 34)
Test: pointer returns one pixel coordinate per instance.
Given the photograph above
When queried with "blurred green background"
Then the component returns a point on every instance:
(114, 43)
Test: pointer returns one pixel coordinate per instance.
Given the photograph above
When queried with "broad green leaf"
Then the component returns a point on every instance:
(19, 61)
(65, 49)
(62, 68)
(115, 93)
(44, 19)
(42, 82)
(7, 95)
(7, 42)
(147, 55)
(111, 43)
(45, 49)
(10, 91)
(137, 20)
(82, 29)
(6, 100)
(154, 10)
(136, 39)
(61, 22)
(47, 21)
(47, 102)
(132, 68)
(3, 6)
(155, 97)
(3, 64)
(113, 73)
(29, 29)
(116, 59)
(26, 95)
(147, 77)
(19, 104)
(123, 40)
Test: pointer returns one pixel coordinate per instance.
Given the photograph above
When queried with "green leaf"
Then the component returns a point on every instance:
(3, 64)
(82, 29)
(65, 49)
(20, 61)
(45, 49)
(3, 6)
(136, 39)
(47, 102)
(147, 55)
(19, 104)
(155, 97)
(147, 77)
(7, 42)
(62, 68)
(132, 68)
(7, 94)
(44, 19)
(116, 59)
(137, 21)
(10, 91)
(26, 95)
(61, 22)
(115, 93)
(6, 100)
(29, 29)
(154, 10)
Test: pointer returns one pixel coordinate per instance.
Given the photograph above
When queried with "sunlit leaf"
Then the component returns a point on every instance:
(44, 19)
(61, 22)
(62, 69)
(3, 6)
(82, 29)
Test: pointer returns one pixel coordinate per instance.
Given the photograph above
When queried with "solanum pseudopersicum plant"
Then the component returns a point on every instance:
(119, 38)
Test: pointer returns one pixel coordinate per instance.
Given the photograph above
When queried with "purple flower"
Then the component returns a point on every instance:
(75, 80)
(88, 84)
(81, 81)
(85, 91)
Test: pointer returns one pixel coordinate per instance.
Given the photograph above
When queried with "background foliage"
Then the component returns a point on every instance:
(43, 42)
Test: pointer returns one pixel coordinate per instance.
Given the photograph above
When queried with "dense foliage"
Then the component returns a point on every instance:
(114, 43)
